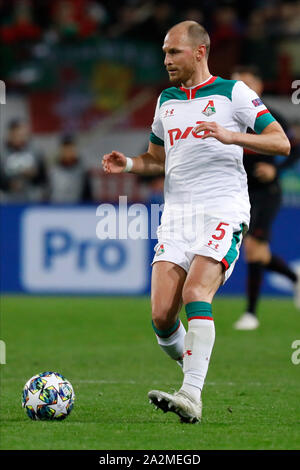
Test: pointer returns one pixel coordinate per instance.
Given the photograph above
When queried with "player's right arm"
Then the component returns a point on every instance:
(150, 163)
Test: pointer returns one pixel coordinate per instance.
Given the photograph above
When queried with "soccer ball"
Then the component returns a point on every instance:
(48, 396)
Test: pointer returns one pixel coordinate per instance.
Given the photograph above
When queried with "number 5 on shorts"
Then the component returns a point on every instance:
(221, 230)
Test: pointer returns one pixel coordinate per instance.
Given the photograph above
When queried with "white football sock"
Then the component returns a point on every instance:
(173, 345)
(198, 345)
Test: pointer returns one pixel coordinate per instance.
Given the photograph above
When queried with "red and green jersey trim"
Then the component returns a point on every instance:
(156, 140)
(232, 253)
(191, 92)
(263, 119)
(214, 86)
(219, 86)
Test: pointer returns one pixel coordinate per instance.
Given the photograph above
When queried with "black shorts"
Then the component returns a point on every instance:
(265, 203)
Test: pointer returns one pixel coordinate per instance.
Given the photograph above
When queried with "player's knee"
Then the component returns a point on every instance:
(162, 316)
(252, 257)
(200, 292)
(251, 248)
(255, 250)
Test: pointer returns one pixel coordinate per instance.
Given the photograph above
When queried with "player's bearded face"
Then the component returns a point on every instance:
(180, 73)
(179, 60)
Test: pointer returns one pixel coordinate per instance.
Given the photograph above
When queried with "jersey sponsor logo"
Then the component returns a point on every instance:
(176, 133)
(209, 108)
(169, 113)
(257, 102)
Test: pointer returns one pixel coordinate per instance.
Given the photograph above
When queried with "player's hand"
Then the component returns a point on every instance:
(213, 129)
(114, 162)
(265, 172)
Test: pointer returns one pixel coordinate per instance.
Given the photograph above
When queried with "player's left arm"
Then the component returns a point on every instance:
(248, 110)
(271, 141)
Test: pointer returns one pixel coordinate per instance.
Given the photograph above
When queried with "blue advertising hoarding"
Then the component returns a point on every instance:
(55, 250)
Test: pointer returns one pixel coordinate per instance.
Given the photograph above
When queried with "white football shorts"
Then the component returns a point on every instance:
(215, 238)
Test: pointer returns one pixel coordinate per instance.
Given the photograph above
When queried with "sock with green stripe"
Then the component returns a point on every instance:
(172, 340)
(198, 345)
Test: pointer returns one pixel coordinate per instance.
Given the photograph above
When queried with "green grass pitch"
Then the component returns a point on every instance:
(107, 349)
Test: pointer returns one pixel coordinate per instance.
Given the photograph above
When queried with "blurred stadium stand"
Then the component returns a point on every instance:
(94, 69)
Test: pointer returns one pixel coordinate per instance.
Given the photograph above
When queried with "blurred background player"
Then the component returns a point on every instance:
(265, 197)
(23, 170)
(68, 178)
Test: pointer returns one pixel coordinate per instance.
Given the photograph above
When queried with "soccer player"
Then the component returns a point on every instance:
(265, 198)
(197, 140)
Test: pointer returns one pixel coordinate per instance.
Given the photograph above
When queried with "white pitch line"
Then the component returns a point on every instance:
(109, 382)
(157, 382)
(137, 382)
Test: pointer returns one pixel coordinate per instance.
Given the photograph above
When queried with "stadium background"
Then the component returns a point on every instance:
(91, 71)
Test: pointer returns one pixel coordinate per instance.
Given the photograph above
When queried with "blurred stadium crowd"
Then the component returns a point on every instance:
(250, 31)
(77, 66)
(68, 20)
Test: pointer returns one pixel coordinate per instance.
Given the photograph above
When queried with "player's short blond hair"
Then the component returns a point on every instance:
(198, 35)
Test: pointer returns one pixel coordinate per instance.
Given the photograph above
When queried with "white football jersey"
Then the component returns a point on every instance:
(207, 172)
